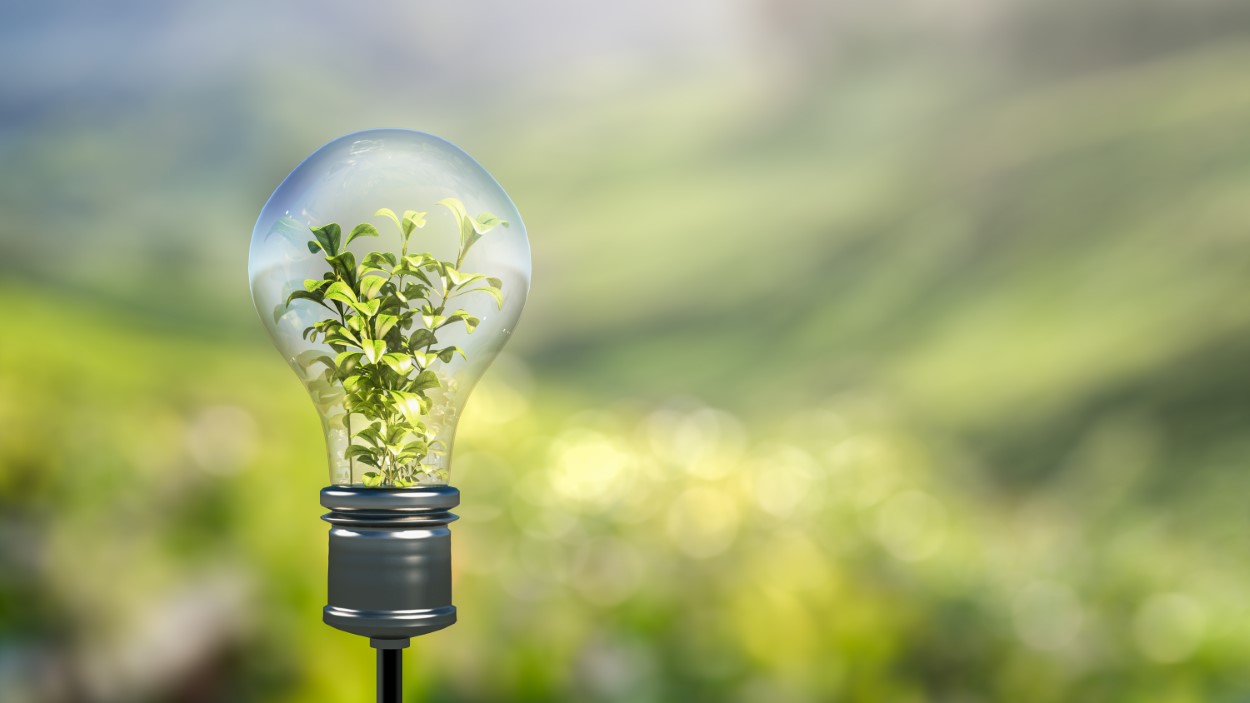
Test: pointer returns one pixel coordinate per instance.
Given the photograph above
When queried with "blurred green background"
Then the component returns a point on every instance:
(874, 353)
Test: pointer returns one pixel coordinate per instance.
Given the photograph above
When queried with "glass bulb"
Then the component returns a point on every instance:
(389, 268)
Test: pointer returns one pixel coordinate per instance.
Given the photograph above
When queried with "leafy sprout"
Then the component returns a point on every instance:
(387, 311)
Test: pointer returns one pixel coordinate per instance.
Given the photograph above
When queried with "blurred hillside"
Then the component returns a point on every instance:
(873, 354)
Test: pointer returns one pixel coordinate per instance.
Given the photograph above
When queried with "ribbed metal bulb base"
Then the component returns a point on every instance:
(390, 560)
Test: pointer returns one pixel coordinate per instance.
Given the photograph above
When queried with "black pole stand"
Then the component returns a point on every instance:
(390, 669)
(390, 569)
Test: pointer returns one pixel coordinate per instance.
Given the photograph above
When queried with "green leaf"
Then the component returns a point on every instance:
(493, 292)
(314, 247)
(305, 295)
(372, 479)
(370, 433)
(413, 292)
(363, 229)
(424, 381)
(401, 363)
(368, 308)
(429, 282)
(463, 223)
(306, 359)
(389, 303)
(322, 327)
(328, 237)
(485, 222)
(470, 322)
(413, 263)
(411, 405)
(374, 349)
(356, 450)
(413, 220)
(383, 260)
(471, 230)
(421, 338)
(344, 265)
(397, 432)
(383, 324)
(345, 358)
(445, 355)
(341, 292)
(370, 286)
(364, 272)
(344, 337)
(458, 279)
(389, 214)
(457, 209)
(413, 450)
(315, 284)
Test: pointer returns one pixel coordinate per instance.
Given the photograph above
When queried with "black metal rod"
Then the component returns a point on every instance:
(390, 675)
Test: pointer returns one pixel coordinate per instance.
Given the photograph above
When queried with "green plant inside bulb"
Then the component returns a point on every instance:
(387, 311)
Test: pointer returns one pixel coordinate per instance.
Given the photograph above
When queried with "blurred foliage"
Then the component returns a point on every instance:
(873, 355)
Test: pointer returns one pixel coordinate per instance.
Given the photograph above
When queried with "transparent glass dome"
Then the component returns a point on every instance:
(390, 318)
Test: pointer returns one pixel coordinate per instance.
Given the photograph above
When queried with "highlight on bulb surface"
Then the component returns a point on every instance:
(389, 268)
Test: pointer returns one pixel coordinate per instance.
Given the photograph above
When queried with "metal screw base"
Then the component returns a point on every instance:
(390, 562)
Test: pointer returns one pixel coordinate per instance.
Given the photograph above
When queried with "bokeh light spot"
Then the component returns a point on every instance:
(911, 525)
(1169, 627)
(1047, 615)
(703, 521)
(221, 438)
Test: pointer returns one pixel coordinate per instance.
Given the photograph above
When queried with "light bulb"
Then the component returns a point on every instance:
(389, 268)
